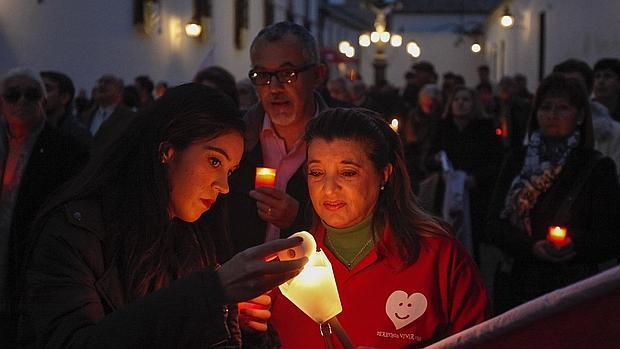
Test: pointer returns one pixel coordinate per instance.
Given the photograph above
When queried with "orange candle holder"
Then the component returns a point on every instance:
(558, 236)
(265, 177)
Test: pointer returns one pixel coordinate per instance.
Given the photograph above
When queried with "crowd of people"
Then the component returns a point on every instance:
(131, 218)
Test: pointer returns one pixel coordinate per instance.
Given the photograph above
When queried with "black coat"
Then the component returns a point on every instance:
(76, 297)
(477, 151)
(55, 158)
(592, 224)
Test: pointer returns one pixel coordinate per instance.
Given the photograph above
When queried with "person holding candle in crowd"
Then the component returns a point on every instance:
(402, 277)
(556, 180)
(285, 70)
(120, 259)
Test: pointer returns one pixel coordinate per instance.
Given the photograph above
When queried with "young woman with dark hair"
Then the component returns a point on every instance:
(120, 260)
(402, 277)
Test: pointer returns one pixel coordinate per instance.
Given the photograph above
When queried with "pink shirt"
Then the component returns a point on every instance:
(286, 163)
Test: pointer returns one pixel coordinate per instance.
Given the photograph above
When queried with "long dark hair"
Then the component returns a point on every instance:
(558, 85)
(397, 205)
(130, 182)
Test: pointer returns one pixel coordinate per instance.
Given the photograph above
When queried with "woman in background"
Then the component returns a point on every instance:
(557, 179)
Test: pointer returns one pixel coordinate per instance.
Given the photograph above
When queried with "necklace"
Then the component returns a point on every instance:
(340, 257)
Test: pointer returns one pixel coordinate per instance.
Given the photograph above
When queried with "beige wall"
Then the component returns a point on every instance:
(582, 29)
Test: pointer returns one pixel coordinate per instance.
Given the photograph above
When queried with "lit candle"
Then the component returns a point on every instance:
(394, 124)
(557, 236)
(314, 290)
(265, 177)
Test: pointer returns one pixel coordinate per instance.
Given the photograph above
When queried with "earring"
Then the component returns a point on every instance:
(382, 187)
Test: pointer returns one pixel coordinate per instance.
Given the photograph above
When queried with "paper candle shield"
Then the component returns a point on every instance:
(314, 290)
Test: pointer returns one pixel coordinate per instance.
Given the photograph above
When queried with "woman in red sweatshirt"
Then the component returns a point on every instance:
(403, 279)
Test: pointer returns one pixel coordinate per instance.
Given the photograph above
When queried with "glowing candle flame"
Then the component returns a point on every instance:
(265, 177)
(557, 236)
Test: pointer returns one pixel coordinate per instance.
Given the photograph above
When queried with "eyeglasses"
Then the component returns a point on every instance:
(285, 76)
(31, 94)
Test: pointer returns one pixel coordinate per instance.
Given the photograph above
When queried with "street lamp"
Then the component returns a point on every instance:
(507, 19)
(381, 37)
(475, 47)
(193, 28)
(345, 48)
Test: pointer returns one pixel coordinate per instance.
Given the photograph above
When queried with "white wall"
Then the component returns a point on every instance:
(88, 38)
(448, 51)
(582, 29)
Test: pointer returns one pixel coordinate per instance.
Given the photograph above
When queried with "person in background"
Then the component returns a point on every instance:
(121, 260)
(247, 95)
(35, 159)
(468, 138)
(510, 113)
(160, 89)
(403, 279)
(339, 90)
(131, 98)
(606, 129)
(485, 89)
(360, 98)
(219, 78)
(59, 96)
(522, 92)
(557, 179)
(285, 71)
(607, 85)
(108, 118)
(418, 130)
(144, 85)
(81, 103)
(447, 85)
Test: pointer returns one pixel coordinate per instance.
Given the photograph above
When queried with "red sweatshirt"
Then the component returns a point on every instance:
(384, 307)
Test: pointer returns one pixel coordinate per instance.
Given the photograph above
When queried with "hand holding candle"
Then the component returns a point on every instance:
(265, 177)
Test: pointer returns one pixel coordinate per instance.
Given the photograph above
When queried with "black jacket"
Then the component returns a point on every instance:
(592, 222)
(76, 297)
(55, 158)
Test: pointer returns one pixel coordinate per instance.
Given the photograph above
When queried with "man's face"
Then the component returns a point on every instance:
(54, 100)
(22, 100)
(285, 103)
(606, 84)
(107, 90)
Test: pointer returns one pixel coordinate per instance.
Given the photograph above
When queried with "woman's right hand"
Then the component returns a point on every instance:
(254, 271)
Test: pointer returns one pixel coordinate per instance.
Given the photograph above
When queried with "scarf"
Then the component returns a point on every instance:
(544, 160)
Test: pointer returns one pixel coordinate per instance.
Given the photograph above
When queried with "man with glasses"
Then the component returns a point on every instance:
(285, 71)
(35, 159)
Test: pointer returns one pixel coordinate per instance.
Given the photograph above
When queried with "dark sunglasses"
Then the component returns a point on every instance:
(284, 76)
(31, 94)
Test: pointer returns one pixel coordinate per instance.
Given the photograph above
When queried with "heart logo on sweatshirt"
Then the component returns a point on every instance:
(403, 309)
